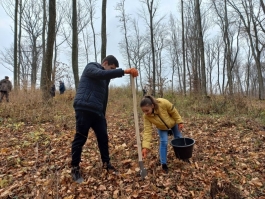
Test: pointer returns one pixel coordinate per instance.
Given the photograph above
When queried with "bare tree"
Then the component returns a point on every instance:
(103, 30)
(32, 24)
(250, 18)
(49, 53)
(201, 47)
(183, 49)
(15, 46)
(92, 12)
(152, 12)
(43, 38)
(75, 45)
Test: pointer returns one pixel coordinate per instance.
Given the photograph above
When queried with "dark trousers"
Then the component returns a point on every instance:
(84, 121)
(4, 93)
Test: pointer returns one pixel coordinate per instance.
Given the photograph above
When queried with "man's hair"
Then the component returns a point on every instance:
(6, 77)
(111, 60)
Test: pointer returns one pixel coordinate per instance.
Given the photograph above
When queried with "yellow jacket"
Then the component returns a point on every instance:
(167, 111)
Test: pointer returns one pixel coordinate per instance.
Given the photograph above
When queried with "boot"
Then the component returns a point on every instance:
(165, 168)
(109, 167)
(76, 175)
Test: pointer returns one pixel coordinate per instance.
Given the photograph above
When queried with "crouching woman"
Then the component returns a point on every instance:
(163, 114)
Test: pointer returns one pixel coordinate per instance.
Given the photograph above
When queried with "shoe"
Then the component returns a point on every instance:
(76, 175)
(109, 167)
(165, 168)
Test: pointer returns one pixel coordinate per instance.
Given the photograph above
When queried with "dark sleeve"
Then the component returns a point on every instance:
(93, 71)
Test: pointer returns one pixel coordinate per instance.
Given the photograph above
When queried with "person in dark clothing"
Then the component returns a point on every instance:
(52, 91)
(90, 105)
(144, 91)
(61, 87)
(5, 88)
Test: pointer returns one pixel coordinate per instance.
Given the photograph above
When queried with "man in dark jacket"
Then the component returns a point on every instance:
(5, 88)
(90, 105)
(61, 87)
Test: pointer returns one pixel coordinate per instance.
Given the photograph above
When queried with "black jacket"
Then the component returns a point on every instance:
(92, 91)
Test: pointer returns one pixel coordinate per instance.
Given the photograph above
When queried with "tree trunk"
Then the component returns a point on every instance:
(150, 9)
(43, 39)
(103, 30)
(201, 50)
(49, 50)
(19, 45)
(183, 49)
(15, 48)
(75, 45)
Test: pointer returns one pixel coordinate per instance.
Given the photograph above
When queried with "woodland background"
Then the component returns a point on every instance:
(216, 82)
(204, 47)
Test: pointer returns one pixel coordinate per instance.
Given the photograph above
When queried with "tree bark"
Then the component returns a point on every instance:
(75, 45)
(43, 39)
(183, 49)
(15, 47)
(49, 50)
(103, 30)
(201, 49)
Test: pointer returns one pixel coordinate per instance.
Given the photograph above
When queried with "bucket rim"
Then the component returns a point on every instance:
(185, 145)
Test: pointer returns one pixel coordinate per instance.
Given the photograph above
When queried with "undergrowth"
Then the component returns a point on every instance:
(29, 108)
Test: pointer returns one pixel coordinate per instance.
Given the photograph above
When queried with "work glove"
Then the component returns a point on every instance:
(131, 71)
(181, 126)
(144, 152)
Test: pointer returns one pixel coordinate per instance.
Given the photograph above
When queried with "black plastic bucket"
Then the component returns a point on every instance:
(183, 147)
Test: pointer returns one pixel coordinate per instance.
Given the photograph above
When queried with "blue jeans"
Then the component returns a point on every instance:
(164, 140)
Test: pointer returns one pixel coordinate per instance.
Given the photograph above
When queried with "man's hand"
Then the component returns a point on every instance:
(181, 126)
(131, 71)
(144, 152)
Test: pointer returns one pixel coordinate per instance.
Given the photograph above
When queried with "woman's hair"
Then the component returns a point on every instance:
(148, 101)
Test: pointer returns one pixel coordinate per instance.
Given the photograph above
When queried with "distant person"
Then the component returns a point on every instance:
(163, 114)
(144, 91)
(61, 87)
(90, 105)
(52, 91)
(5, 88)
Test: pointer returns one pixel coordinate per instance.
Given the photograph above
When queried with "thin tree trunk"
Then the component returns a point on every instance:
(19, 44)
(183, 50)
(75, 45)
(103, 30)
(43, 39)
(15, 47)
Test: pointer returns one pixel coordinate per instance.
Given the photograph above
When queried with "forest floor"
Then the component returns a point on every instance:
(228, 159)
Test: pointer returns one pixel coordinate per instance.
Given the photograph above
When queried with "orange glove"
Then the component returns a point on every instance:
(144, 153)
(181, 126)
(132, 71)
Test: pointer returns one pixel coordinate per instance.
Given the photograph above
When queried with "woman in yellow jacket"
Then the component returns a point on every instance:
(163, 114)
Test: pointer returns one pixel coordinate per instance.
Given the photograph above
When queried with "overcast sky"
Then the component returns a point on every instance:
(114, 34)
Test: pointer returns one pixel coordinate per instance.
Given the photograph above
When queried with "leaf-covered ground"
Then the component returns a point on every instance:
(228, 160)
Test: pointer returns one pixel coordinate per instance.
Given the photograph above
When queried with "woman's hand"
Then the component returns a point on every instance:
(181, 126)
(144, 152)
